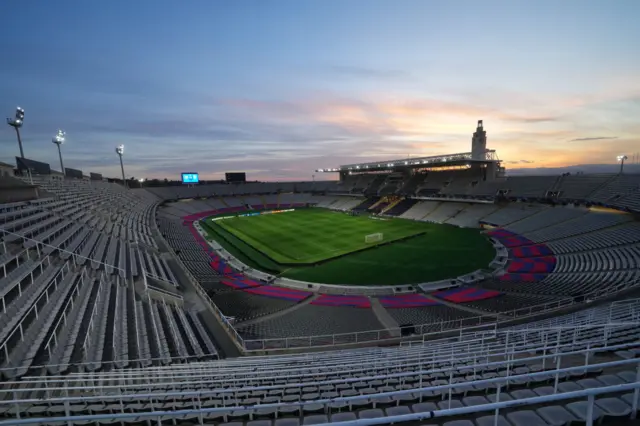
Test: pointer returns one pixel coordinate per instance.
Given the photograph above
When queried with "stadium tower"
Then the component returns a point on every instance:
(479, 143)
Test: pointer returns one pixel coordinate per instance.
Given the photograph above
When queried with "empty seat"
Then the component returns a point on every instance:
(343, 417)
(503, 396)
(285, 422)
(373, 413)
(397, 411)
(580, 409)
(491, 421)
(474, 400)
(556, 415)
(459, 423)
(613, 407)
(315, 419)
(424, 407)
(628, 398)
(259, 423)
(454, 403)
(525, 418)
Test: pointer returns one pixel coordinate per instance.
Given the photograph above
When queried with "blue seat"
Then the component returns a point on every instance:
(459, 423)
(579, 409)
(397, 411)
(544, 390)
(525, 418)
(474, 400)
(343, 417)
(614, 407)
(628, 398)
(523, 394)
(424, 407)
(556, 415)
(446, 404)
(490, 421)
(372, 413)
(315, 419)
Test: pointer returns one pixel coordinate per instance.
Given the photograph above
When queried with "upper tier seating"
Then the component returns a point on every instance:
(544, 218)
(579, 187)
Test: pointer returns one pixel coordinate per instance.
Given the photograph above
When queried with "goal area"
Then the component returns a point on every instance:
(373, 238)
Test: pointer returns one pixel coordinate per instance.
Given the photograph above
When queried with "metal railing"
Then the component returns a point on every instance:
(475, 349)
(91, 332)
(55, 282)
(474, 356)
(75, 260)
(197, 412)
(210, 304)
(431, 329)
(62, 323)
(425, 330)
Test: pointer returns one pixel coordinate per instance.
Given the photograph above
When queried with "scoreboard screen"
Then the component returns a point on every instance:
(235, 177)
(190, 178)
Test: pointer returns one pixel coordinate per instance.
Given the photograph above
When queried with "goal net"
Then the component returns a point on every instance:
(373, 238)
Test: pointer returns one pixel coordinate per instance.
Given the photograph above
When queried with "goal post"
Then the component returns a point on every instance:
(373, 238)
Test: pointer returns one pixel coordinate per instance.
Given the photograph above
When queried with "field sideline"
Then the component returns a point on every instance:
(411, 252)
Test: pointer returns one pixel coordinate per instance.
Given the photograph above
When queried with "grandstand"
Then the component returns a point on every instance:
(117, 309)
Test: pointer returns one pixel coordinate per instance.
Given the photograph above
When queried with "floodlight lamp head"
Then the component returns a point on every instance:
(18, 119)
(622, 157)
(120, 149)
(141, 180)
(59, 137)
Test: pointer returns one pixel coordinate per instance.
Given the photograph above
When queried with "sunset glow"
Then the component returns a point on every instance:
(280, 88)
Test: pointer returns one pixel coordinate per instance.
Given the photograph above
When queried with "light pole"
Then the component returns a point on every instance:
(141, 180)
(16, 123)
(621, 159)
(58, 139)
(120, 151)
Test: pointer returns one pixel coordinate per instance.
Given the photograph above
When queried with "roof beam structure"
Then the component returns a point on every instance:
(416, 162)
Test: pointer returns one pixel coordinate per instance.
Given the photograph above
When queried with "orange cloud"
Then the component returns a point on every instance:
(541, 133)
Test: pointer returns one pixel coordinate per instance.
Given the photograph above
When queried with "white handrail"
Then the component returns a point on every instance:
(332, 340)
(514, 350)
(212, 306)
(196, 399)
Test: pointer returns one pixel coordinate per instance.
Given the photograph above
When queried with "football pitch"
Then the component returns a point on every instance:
(321, 245)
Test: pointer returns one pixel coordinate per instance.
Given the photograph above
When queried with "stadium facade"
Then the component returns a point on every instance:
(119, 307)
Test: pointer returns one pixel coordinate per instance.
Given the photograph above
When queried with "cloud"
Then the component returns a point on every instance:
(364, 72)
(597, 138)
(288, 135)
(529, 119)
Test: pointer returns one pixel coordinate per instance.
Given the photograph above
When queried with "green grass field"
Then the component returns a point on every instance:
(320, 245)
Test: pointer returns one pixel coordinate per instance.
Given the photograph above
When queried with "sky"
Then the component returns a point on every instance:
(279, 88)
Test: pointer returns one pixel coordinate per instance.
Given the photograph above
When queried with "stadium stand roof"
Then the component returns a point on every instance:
(460, 159)
(479, 154)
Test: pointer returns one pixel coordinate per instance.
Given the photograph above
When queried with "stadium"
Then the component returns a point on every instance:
(436, 290)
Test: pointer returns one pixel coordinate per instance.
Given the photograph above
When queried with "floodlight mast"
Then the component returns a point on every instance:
(16, 123)
(120, 151)
(58, 139)
(621, 159)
